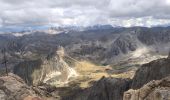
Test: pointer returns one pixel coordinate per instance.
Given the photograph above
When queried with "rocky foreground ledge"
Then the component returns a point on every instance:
(154, 90)
(151, 82)
(13, 87)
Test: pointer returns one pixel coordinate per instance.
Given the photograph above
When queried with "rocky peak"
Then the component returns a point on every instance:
(52, 70)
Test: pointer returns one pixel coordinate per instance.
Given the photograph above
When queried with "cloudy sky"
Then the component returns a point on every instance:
(84, 12)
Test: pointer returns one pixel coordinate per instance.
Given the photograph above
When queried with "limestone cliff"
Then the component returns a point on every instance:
(154, 90)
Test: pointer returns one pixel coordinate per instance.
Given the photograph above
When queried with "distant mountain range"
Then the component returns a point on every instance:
(26, 28)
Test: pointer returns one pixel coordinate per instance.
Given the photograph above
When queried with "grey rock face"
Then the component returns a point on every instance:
(25, 70)
(154, 70)
(122, 44)
(104, 89)
(109, 89)
(13, 88)
(154, 90)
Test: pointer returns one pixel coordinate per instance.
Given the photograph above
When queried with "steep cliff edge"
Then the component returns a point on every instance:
(104, 89)
(154, 90)
(151, 82)
(109, 89)
(154, 70)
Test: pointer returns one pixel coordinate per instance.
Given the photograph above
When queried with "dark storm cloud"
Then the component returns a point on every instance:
(84, 12)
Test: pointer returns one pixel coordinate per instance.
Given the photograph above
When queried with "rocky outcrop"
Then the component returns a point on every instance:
(154, 90)
(51, 70)
(124, 44)
(104, 89)
(108, 89)
(14, 88)
(26, 69)
(151, 82)
(154, 70)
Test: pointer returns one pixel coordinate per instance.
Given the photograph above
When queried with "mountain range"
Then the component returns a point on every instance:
(94, 63)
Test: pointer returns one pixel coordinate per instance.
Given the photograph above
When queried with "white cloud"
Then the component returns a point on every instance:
(142, 21)
(168, 2)
(1, 22)
(85, 12)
